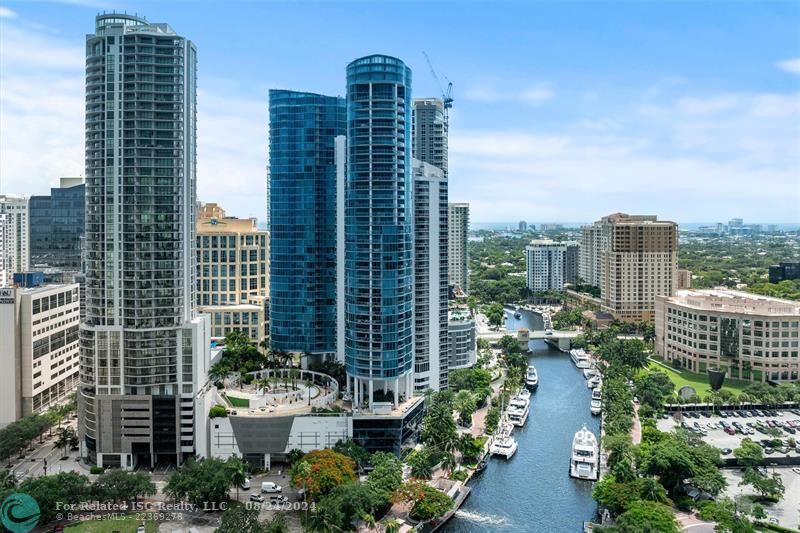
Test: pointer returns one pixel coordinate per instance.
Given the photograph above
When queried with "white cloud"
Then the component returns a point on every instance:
(7, 13)
(792, 66)
(534, 94)
(685, 159)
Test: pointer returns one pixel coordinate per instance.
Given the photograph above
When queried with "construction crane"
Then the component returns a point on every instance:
(447, 97)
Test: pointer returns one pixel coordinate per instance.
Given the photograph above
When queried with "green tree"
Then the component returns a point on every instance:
(465, 402)
(200, 481)
(387, 472)
(748, 454)
(64, 439)
(647, 517)
(421, 464)
(495, 314)
(65, 488)
(427, 502)
(237, 471)
(119, 485)
(767, 486)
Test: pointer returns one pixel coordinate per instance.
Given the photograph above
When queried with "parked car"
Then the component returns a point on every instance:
(257, 498)
(278, 500)
(725, 451)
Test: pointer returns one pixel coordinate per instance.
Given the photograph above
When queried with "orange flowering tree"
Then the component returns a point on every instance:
(321, 471)
(426, 502)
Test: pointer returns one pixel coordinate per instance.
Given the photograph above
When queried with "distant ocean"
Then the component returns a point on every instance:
(500, 226)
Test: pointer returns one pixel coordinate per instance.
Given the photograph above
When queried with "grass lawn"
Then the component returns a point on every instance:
(698, 381)
(127, 525)
(238, 402)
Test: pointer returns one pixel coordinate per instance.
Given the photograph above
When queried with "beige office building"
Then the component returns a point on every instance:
(39, 348)
(638, 261)
(683, 279)
(233, 276)
(752, 337)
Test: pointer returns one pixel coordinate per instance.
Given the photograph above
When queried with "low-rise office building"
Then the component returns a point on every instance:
(39, 354)
(752, 337)
(232, 275)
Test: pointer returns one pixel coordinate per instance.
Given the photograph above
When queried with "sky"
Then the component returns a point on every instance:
(563, 112)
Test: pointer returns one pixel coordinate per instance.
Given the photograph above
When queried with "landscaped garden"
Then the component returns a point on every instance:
(697, 381)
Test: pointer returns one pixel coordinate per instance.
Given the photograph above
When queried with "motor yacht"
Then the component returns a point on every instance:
(580, 358)
(518, 410)
(531, 378)
(596, 407)
(505, 446)
(585, 455)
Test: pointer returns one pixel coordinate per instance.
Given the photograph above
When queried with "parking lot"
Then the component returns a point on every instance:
(778, 432)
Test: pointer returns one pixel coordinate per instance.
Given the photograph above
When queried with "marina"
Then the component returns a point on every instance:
(532, 490)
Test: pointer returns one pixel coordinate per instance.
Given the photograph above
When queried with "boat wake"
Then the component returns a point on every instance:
(478, 518)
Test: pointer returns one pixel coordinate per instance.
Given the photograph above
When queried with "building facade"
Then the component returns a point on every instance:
(17, 237)
(751, 337)
(550, 265)
(463, 341)
(683, 279)
(589, 255)
(783, 271)
(378, 226)
(430, 132)
(57, 226)
(40, 355)
(303, 218)
(233, 276)
(6, 271)
(430, 277)
(210, 210)
(638, 261)
(143, 345)
(458, 233)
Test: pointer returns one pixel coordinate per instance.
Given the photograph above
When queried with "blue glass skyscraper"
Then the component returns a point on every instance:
(379, 271)
(302, 213)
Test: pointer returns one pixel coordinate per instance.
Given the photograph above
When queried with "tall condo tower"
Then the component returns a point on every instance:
(430, 281)
(379, 263)
(302, 132)
(430, 132)
(458, 232)
(143, 346)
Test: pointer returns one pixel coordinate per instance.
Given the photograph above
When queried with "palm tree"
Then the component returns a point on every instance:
(7, 479)
(392, 526)
(369, 521)
(238, 472)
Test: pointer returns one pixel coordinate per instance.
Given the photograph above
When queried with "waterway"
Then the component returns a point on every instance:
(532, 492)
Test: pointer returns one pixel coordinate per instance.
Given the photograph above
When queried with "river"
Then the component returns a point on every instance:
(533, 492)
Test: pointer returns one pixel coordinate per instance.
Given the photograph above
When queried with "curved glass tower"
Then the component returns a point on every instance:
(379, 272)
(302, 131)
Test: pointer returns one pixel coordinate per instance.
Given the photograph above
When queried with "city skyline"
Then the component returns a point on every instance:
(686, 115)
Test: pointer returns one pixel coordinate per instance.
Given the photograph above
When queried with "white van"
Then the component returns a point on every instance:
(246, 484)
(269, 486)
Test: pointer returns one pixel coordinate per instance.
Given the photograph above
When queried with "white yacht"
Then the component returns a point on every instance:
(518, 409)
(585, 455)
(524, 393)
(531, 378)
(580, 358)
(597, 394)
(504, 446)
(596, 407)
(594, 382)
(589, 373)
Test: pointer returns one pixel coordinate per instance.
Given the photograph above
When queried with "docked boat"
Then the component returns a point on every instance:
(590, 373)
(596, 407)
(524, 393)
(517, 314)
(594, 382)
(597, 394)
(580, 358)
(518, 410)
(505, 446)
(585, 456)
(482, 464)
(531, 378)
